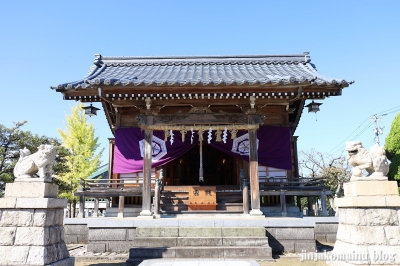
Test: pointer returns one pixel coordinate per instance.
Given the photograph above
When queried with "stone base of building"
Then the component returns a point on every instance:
(369, 225)
(31, 226)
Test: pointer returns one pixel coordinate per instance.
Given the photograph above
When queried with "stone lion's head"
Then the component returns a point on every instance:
(353, 147)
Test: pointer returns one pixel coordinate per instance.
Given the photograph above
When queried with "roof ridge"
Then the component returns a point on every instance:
(304, 56)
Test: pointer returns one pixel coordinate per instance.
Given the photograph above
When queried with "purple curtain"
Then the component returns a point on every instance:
(274, 147)
(128, 156)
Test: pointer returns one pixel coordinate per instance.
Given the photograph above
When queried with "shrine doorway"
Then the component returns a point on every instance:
(219, 168)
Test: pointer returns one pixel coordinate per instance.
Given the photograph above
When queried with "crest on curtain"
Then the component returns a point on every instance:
(159, 149)
(241, 145)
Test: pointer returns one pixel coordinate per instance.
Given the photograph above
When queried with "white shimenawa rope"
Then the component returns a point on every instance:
(171, 134)
(209, 135)
(225, 135)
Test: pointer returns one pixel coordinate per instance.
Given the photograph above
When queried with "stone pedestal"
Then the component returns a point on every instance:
(369, 219)
(31, 225)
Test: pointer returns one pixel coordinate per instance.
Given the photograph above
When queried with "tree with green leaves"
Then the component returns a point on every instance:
(392, 148)
(79, 139)
(13, 139)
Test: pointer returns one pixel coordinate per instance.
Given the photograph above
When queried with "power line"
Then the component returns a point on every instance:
(377, 130)
(339, 146)
(341, 143)
(382, 113)
(394, 111)
(364, 129)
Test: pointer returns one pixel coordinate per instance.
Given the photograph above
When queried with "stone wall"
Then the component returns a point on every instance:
(76, 234)
(325, 233)
(111, 239)
(285, 235)
(291, 239)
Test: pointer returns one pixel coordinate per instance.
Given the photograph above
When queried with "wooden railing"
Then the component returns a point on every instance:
(293, 183)
(105, 184)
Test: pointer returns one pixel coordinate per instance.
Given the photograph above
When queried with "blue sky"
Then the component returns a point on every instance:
(45, 43)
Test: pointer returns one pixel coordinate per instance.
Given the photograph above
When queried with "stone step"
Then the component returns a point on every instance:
(200, 232)
(199, 241)
(254, 252)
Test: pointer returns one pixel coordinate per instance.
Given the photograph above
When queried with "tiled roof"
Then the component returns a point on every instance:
(202, 70)
(101, 171)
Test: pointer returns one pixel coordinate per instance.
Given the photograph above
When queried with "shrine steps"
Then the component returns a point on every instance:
(198, 242)
(175, 201)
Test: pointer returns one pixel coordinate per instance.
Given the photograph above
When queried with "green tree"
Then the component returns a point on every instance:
(392, 148)
(79, 138)
(13, 139)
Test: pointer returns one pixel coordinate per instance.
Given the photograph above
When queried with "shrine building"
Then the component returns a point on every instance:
(203, 134)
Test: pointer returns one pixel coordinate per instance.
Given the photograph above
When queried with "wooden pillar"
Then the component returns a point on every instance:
(323, 204)
(157, 191)
(283, 204)
(310, 205)
(146, 192)
(111, 146)
(245, 190)
(253, 171)
(108, 203)
(298, 199)
(316, 207)
(81, 213)
(295, 157)
(96, 207)
(121, 205)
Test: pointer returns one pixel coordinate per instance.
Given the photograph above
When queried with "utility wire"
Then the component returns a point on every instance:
(338, 147)
(341, 143)
(364, 129)
(394, 111)
(383, 113)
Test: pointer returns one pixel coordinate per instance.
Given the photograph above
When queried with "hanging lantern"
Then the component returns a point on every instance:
(90, 110)
(313, 107)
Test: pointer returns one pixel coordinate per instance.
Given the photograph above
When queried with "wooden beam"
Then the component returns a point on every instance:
(196, 102)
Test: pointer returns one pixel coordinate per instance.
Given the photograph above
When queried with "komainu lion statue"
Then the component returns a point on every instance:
(374, 161)
(41, 162)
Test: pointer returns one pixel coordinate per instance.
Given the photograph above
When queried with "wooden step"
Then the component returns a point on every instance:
(230, 206)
